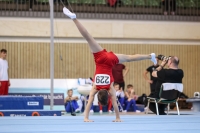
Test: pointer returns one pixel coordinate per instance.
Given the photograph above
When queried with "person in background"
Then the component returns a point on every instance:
(169, 7)
(131, 99)
(152, 81)
(4, 80)
(171, 75)
(120, 96)
(71, 104)
(119, 71)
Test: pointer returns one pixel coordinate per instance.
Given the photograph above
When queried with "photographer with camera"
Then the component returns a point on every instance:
(171, 75)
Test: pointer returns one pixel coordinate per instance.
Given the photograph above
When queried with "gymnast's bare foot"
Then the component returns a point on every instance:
(117, 120)
(87, 120)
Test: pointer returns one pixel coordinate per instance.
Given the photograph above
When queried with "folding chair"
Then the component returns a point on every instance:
(169, 93)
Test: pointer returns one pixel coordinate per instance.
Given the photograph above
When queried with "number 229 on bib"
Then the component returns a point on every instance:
(102, 79)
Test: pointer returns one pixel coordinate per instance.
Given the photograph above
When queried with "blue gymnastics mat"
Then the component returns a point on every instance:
(102, 124)
(22, 113)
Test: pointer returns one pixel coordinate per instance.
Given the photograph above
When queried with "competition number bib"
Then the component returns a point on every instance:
(102, 79)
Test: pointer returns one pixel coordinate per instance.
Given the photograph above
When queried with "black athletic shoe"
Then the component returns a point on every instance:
(73, 114)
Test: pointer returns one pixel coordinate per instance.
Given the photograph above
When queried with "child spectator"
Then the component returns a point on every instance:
(131, 99)
(120, 96)
(71, 104)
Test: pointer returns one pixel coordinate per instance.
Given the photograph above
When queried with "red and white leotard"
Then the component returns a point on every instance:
(103, 75)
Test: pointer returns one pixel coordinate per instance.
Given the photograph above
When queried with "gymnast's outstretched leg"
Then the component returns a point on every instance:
(94, 46)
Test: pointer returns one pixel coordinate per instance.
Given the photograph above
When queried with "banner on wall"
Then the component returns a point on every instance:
(58, 97)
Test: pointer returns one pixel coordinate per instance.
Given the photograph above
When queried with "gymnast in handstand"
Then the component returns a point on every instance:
(103, 78)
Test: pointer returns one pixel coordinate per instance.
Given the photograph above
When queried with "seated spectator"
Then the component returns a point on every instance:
(130, 99)
(71, 104)
(120, 96)
(169, 6)
(171, 75)
(131, 92)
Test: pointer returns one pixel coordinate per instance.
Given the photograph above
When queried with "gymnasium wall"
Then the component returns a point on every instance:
(36, 27)
(32, 60)
(28, 44)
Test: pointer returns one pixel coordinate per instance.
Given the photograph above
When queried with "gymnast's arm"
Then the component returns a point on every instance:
(90, 100)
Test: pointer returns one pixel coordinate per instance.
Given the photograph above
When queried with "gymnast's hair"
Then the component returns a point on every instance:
(103, 97)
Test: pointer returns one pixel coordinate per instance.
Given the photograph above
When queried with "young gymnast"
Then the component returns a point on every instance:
(103, 79)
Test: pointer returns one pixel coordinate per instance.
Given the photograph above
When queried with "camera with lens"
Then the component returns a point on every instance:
(162, 57)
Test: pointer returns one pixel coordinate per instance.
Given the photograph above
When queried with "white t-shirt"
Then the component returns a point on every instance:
(3, 70)
(120, 94)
